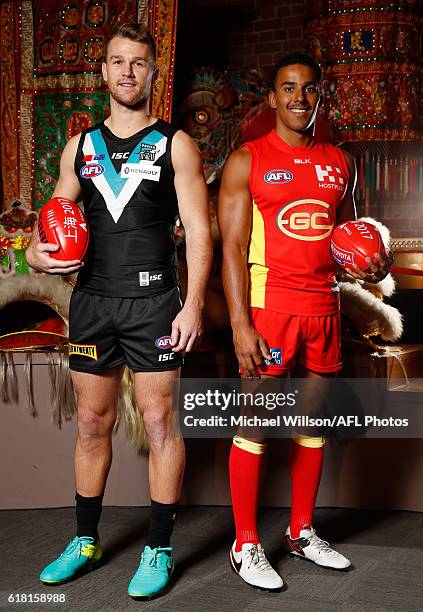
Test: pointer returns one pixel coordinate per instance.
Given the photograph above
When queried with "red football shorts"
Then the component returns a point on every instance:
(313, 342)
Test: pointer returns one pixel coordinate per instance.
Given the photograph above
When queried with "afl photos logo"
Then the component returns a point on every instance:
(309, 220)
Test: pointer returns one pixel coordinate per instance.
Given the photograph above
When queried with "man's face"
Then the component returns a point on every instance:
(128, 71)
(296, 97)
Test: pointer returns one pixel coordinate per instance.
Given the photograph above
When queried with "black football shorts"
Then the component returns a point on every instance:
(105, 332)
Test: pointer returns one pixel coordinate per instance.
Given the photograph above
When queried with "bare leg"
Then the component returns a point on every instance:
(154, 395)
(97, 400)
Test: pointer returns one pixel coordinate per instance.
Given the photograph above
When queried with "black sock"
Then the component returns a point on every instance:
(161, 524)
(88, 512)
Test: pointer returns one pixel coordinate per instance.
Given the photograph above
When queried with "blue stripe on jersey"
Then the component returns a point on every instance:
(113, 178)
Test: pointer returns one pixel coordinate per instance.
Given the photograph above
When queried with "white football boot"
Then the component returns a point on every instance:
(251, 564)
(311, 547)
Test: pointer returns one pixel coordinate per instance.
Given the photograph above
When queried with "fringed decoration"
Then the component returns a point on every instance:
(129, 413)
(12, 379)
(4, 390)
(29, 384)
(62, 399)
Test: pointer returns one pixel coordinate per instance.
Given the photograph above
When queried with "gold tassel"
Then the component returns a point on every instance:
(129, 414)
(64, 403)
(69, 400)
(3, 378)
(29, 384)
(12, 379)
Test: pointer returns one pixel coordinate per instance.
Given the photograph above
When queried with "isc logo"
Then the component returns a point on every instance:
(164, 342)
(91, 171)
(166, 356)
(278, 177)
(306, 220)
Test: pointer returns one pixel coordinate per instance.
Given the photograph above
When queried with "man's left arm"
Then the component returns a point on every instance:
(193, 203)
(347, 212)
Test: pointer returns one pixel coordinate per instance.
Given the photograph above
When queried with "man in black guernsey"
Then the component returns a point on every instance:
(135, 173)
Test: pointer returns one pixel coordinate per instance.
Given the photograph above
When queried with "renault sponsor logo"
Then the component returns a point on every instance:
(278, 177)
(140, 171)
(309, 220)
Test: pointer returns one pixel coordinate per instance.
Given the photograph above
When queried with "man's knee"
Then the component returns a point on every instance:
(158, 419)
(94, 425)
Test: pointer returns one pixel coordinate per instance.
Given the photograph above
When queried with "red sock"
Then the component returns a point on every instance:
(305, 466)
(244, 474)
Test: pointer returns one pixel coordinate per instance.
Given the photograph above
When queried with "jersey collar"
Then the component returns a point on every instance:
(280, 144)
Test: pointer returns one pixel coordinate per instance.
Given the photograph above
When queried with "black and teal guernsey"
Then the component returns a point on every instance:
(131, 206)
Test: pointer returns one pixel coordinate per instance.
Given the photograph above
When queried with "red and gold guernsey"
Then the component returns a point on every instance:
(295, 191)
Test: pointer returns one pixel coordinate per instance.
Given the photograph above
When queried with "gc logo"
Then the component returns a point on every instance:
(306, 220)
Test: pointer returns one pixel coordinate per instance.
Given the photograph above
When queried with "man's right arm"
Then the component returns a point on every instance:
(38, 253)
(234, 218)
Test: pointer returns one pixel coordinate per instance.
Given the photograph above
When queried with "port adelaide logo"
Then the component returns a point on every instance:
(278, 177)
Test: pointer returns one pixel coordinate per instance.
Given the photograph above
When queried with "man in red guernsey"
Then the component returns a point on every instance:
(281, 196)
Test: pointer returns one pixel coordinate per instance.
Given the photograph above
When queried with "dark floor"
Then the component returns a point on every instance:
(386, 549)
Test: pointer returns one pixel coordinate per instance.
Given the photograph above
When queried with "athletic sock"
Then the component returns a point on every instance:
(305, 465)
(161, 524)
(88, 512)
(244, 473)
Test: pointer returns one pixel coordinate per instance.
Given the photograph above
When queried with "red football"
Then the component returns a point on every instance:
(353, 241)
(62, 222)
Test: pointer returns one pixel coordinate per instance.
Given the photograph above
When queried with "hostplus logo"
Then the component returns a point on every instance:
(330, 177)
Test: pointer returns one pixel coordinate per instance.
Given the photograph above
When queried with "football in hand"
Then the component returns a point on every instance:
(62, 222)
(353, 241)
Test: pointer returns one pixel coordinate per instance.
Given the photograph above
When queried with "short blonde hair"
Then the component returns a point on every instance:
(136, 32)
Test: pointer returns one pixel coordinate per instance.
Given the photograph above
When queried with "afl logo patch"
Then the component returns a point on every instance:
(91, 171)
(278, 177)
(309, 220)
(164, 342)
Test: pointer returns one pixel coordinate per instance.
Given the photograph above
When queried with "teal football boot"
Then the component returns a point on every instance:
(153, 574)
(80, 555)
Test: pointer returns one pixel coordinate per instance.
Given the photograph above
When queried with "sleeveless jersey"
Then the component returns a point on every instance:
(295, 191)
(131, 205)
